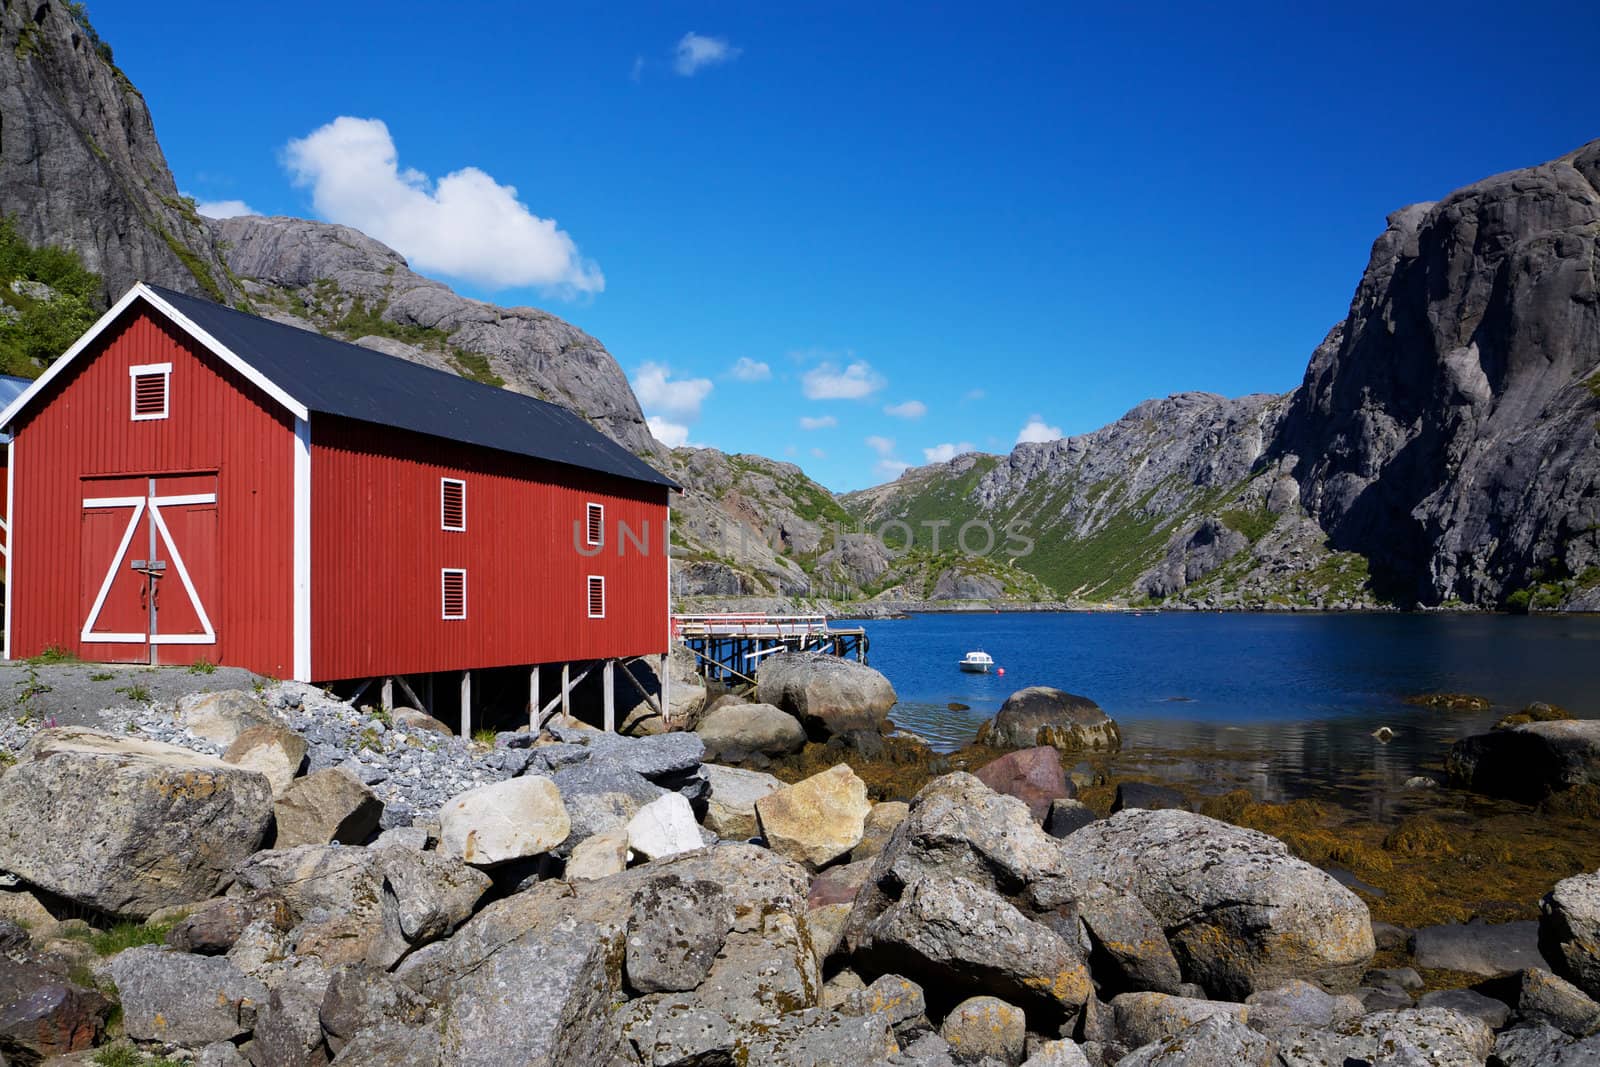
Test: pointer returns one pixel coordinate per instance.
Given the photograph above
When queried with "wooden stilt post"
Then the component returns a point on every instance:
(533, 698)
(466, 703)
(427, 705)
(608, 680)
(405, 687)
(388, 692)
(566, 689)
(666, 700)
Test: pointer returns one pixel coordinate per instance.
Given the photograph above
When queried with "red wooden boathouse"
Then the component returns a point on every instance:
(189, 482)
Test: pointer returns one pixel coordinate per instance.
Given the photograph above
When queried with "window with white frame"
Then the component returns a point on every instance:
(597, 597)
(452, 504)
(595, 531)
(453, 593)
(148, 386)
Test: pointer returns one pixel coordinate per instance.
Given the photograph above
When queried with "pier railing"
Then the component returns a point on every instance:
(731, 645)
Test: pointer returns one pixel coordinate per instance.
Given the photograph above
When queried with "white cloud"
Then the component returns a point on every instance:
(224, 209)
(638, 68)
(883, 446)
(1038, 430)
(946, 452)
(819, 453)
(465, 225)
(671, 434)
(818, 422)
(827, 382)
(679, 400)
(890, 468)
(973, 394)
(911, 409)
(750, 370)
(696, 50)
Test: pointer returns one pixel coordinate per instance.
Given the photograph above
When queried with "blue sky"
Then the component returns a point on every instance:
(933, 226)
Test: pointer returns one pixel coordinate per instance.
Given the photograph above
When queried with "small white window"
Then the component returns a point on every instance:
(453, 593)
(596, 532)
(597, 597)
(452, 504)
(148, 390)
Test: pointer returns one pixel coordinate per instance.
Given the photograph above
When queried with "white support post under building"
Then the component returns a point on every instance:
(566, 690)
(388, 693)
(609, 681)
(533, 698)
(466, 704)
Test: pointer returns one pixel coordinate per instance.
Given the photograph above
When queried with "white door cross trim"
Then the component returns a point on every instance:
(208, 636)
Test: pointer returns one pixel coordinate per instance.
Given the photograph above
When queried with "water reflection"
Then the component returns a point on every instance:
(1295, 698)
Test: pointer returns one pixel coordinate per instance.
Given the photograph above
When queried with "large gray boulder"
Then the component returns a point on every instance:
(1219, 1039)
(829, 695)
(536, 977)
(1478, 947)
(124, 825)
(1527, 762)
(1424, 1037)
(958, 936)
(359, 997)
(736, 731)
(365, 905)
(1542, 1045)
(271, 748)
(185, 1000)
(503, 821)
(600, 794)
(731, 808)
(1240, 913)
(1040, 715)
(1569, 931)
(327, 807)
(957, 827)
(222, 717)
(1142, 1018)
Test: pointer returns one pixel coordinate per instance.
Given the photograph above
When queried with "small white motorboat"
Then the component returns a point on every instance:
(977, 662)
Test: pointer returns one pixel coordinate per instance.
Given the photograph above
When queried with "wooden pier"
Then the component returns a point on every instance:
(729, 648)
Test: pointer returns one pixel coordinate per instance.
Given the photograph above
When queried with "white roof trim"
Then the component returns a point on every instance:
(177, 318)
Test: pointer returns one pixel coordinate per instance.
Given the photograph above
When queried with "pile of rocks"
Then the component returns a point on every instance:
(590, 899)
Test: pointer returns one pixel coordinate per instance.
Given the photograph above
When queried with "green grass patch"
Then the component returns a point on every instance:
(202, 666)
(125, 1055)
(484, 736)
(476, 366)
(51, 655)
(136, 693)
(1254, 523)
(123, 935)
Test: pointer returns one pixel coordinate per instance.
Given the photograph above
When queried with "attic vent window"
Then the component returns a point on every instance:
(452, 504)
(596, 534)
(453, 593)
(149, 387)
(597, 597)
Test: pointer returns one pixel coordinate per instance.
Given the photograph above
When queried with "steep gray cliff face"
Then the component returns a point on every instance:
(79, 162)
(340, 281)
(1447, 429)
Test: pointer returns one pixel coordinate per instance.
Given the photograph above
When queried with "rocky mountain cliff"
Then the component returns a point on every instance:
(1446, 430)
(343, 283)
(79, 163)
(1444, 448)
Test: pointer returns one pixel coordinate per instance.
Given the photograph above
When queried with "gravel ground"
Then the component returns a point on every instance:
(412, 771)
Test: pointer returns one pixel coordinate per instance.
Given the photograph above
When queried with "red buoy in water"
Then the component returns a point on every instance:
(999, 670)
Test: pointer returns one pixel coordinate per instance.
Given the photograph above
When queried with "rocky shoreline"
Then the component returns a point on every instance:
(271, 876)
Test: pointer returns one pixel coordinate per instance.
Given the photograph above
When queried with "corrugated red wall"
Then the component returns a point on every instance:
(218, 423)
(377, 553)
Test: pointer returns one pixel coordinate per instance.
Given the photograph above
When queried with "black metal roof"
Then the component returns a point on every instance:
(339, 378)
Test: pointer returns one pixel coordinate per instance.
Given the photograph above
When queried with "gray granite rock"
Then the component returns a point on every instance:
(186, 1000)
(1240, 913)
(1478, 947)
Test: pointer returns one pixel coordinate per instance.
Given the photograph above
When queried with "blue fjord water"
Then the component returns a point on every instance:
(1305, 691)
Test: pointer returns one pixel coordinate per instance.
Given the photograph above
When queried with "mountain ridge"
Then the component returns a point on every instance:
(1440, 451)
